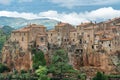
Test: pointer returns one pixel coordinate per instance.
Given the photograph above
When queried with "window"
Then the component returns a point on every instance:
(41, 39)
(92, 46)
(80, 41)
(102, 42)
(22, 39)
(74, 34)
(73, 39)
(82, 33)
(109, 45)
(94, 35)
(81, 51)
(67, 39)
(88, 35)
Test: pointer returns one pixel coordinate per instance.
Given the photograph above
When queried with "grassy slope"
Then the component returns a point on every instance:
(2, 39)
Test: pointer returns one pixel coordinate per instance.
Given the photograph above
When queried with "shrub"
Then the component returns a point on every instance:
(38, 59)
(23, 71)
(100, 76)
(3, 68)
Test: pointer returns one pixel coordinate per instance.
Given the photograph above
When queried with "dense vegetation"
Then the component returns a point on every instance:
(59, 66)
(100, 76)
(59, 69)
(2, 39)
(7, 29)
(4, 34)
(38, 59)
(3, 68)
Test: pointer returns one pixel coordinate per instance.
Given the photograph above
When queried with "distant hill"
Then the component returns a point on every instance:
(4, 34)
(17, 23)
(7, 29)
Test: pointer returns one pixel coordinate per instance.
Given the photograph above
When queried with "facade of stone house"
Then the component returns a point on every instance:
(84, 44)
(16, 52)
(63, 30)
(52, 36)
(73, 37)
(106, 44)
(28, 34)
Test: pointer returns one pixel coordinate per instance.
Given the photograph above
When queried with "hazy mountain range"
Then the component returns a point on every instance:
(17, 23)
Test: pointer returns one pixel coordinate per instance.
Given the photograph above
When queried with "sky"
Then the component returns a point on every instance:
(70, 11)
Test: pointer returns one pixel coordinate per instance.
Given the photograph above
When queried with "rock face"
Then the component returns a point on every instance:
(16, 53)
(107, 63)
(15, 57)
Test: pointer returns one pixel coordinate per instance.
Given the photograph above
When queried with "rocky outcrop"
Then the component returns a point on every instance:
(104, 62)
(15, 57)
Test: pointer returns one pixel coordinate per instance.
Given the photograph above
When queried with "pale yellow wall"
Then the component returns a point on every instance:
(73, 37)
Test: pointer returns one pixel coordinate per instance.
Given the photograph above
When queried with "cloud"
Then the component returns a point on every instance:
(73, 3)
(16, 14)
(72, 18)
(5, 2)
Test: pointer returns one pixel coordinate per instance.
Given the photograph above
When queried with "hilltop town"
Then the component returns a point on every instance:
(91, 46)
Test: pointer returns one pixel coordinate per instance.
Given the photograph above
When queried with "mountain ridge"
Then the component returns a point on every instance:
(17, 23)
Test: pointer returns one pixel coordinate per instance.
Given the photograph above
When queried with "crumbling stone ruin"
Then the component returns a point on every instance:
(91, 46)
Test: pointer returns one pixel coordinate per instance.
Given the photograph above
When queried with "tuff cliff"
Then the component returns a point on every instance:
(15, 57)
(93, 62)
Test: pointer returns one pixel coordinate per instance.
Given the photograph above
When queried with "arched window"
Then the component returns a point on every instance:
(109, 45)
(41, 39)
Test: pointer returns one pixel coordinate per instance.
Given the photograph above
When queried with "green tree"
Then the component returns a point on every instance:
(3, 68)
(82, 76)
(42, 73)
(100, 76)
(59, 65)
(38, 59)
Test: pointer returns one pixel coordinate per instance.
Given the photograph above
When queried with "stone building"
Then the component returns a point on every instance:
(20, 44)
(52, 36)
(88, 44)
(60, 36)
(28, 34)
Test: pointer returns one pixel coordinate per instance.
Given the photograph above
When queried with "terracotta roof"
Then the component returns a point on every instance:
(61, 24)
(106, 39)
(85, 24)
(28, 28)
(113, 27)
(35, 25)
(90, 27)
